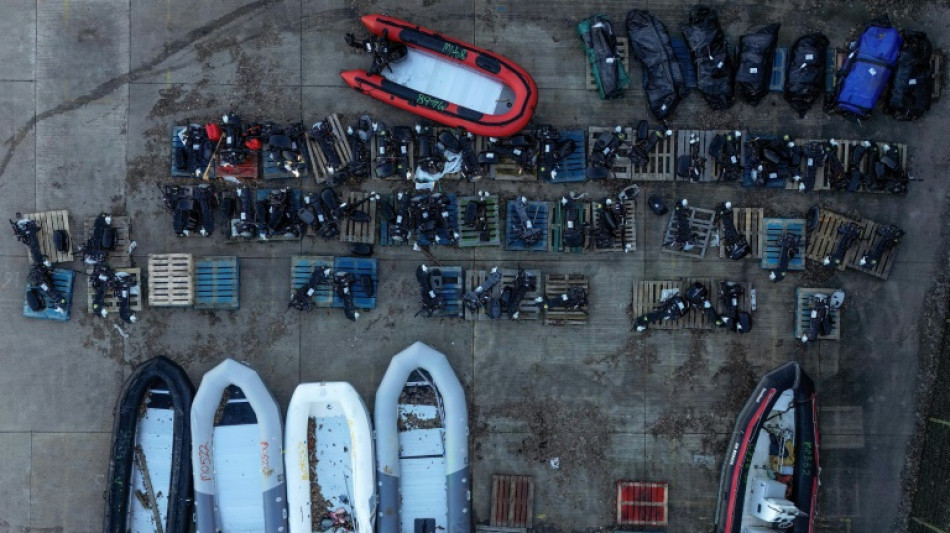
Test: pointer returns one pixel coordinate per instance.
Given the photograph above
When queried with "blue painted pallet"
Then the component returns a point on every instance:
(63, 282)
(217, 283)
(685, 59)
(574, 167)
(270, 170)
(773, 228)
(453, 283)
(444, 237)
(538, 213)
(176, 143)
(358, 266)
(301, 267)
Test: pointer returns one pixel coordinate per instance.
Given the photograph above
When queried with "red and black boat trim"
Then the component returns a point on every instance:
(735, 469)
(460, 55)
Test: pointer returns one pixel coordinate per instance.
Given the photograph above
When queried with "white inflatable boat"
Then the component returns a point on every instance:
(236, 453)
(422, 446)
(331, 477)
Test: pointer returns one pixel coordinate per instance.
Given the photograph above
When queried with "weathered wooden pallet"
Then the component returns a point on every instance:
(745, 301)
(301, 267)
(538, 211)
(701, 222)
(622, 166)
(507, 170)
(470, 236)
(695, 318)
(529, 309)
(647, 295)
(512, 501)
(748, 222)
(628, 242)
(364, 232)
(622, 53)
(822, 183)
(358, 266)
(771, 250)
(171, 280)
(217, 283)
(803, 313)
(318, 161)
(642, 504)
(375, 156)
(249, 170)
(48, 222)
(712, 166)
(110, 302)
(863, 247)
(558, 225)
(119, 257)
(822, 241)
(63, 283)
(703, 138)
(556, 285)
(936, 63)
(662, 163)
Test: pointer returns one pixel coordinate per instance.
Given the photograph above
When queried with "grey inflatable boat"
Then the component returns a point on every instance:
(422, 468)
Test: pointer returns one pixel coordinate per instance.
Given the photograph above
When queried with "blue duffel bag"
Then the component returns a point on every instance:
(866, 71)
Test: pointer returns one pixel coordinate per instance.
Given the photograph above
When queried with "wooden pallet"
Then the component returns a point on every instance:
(217, 283)
(745, 301)
(642, 504)
(773, 228)
(554, 286)
(695, 318)
(301, 267)
(120, 257)
(171, 280)
(803, 314)
(48, 222)
(364, 232)
(528, 311)
(822, 241)
(704, 138)
(318, 162)
(249, 170)
(470, 236)
(62, 282)
(662, 164)
(375, 155)
(539, 213)
(110, 302)
(822, 182)
(701, 222)
(507, 170)
(557, 225)
(622, 166)
(622, 53)
(512, 501)
(629, 230)
(647, 295)
(936, 63)
(748, 222)
(864, 245)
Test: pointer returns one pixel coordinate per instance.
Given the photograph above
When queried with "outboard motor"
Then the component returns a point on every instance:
(684, 237)
(430, 283)
(574, 231)
(888, 237)
(698, 297)
(790, 244)
(847, 235)
(526, 231)
(480, 297)
(672, 308)
(820, 323)
(737, 246)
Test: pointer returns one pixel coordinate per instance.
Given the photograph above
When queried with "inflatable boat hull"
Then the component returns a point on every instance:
(752, 418)
(454, 55)
(128, 417)
(343, 445)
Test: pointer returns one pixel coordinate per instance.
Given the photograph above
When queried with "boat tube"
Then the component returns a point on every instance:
(422, 446)
(449, 81)
(770, 475)
(237, 453)
(331, 476)
(150, 467)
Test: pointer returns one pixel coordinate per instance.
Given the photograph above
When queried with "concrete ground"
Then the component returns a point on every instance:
(88, 89)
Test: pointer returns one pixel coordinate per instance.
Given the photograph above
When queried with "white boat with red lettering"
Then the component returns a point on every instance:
(237, 444)
(331, 469)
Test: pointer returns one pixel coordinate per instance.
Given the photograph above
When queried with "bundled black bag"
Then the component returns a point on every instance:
(912, 86)
(805, 71)
(714, 69)
(756, 53)
(662, 77)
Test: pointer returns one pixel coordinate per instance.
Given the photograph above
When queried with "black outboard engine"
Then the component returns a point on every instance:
(603, 153)
(684, 237)
(790, 244)
(698, 297)
(848, 234)
(672, 308)
(736, 244)
(526, 231)
(480, 297)
(574, 231)
(730, 294)
(430, 285)
(888, 237)
(819, 323)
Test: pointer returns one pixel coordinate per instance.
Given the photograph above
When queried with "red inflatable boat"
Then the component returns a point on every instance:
(448, 81)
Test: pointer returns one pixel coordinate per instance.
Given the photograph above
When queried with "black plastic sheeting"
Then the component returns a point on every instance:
(663, 77)
(159, 372)
(714, 68)
(805, 71)
(756, 54)
(912, 87)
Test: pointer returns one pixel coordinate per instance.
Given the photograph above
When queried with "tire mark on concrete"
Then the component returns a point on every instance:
(110, 86)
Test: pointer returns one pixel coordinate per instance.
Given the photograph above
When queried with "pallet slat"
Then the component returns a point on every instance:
(642, 503)
(171, 280)
(863, 247)
(647, 295)
(558, 225)
(512, 501)
(823, 240)
(662, 163)
(318, 161)
(701, 222)
(554, 286)
(748, 222)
